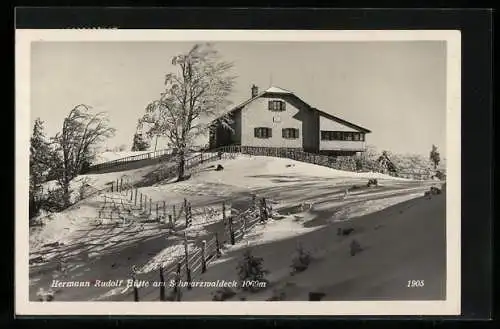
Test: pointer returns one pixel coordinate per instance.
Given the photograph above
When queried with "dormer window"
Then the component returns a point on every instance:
(277, 105)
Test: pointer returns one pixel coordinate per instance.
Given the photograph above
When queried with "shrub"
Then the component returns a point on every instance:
(355, 247)
(251, 268)
(344, 231)
(277, 295)
(440, 175)
(54, 201)
(223, 294)
(83, 188)
(301, 260)
(45, 296)
(435, 190)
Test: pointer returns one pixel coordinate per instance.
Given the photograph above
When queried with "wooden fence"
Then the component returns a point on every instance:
(124, 162)
(346, 163)
(194, 261)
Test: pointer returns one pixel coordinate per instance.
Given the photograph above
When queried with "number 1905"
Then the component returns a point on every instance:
(415, 283)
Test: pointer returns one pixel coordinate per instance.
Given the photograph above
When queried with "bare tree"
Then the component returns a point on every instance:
(75, 145)
(193, 98)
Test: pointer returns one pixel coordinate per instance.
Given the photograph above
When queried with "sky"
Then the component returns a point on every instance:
(397, 89)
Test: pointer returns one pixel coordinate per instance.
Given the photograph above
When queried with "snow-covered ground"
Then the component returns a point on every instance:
(93, 183)
(400, 243)
(107, 252)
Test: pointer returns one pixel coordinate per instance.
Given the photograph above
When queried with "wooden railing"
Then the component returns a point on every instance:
(123, 162)
(346, 163)
(341, 163)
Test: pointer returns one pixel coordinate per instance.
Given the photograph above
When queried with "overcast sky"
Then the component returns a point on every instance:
(395, 89)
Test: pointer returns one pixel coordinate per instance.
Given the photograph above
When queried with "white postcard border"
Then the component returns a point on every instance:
(450, 306)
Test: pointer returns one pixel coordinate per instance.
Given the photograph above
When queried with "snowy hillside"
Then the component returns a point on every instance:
(91, 250)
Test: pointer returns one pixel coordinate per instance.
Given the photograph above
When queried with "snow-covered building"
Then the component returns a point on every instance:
(278, 118)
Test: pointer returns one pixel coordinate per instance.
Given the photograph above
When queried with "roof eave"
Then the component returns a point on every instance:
(342, 121)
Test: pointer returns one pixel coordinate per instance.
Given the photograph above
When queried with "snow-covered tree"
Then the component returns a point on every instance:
(141, 142)
(40, 163)
(81, 133)
(386, 163)
(195, 95)
(434, 156)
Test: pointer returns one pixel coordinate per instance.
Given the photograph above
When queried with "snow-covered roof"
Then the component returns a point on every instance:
(277, 90)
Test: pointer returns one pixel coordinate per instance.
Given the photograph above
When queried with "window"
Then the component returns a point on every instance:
(331, 135)
(324, 135)
(290, 133)
(262, 132)
(342, 136)
(277, 106)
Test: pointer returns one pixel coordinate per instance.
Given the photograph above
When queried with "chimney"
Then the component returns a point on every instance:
(255, 91)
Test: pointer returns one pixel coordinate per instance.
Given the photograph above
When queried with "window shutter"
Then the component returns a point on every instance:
(269, 132)
(283, 133)
(256, 132)
(270, 105)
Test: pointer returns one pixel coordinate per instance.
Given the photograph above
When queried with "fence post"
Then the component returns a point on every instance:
(135, 198)
(140, 201)
(173, 212)
(150, 205)
(203, 256)
(117, 186)
(263, 210)
(164, 210)
(170, 223)
(244, 226)
(186, 254)
(186, 212)
(121, 184)
(223, 212)
(136, 291)
(231, 232)
(157, 213)
(217, 245)
(112, 184)
(177, 289)
(162, 284)
(131, 194)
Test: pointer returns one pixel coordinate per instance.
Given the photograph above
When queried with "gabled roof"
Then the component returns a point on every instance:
(278, 90)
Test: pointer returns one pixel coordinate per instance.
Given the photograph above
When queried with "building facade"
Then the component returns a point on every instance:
(280, 119)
